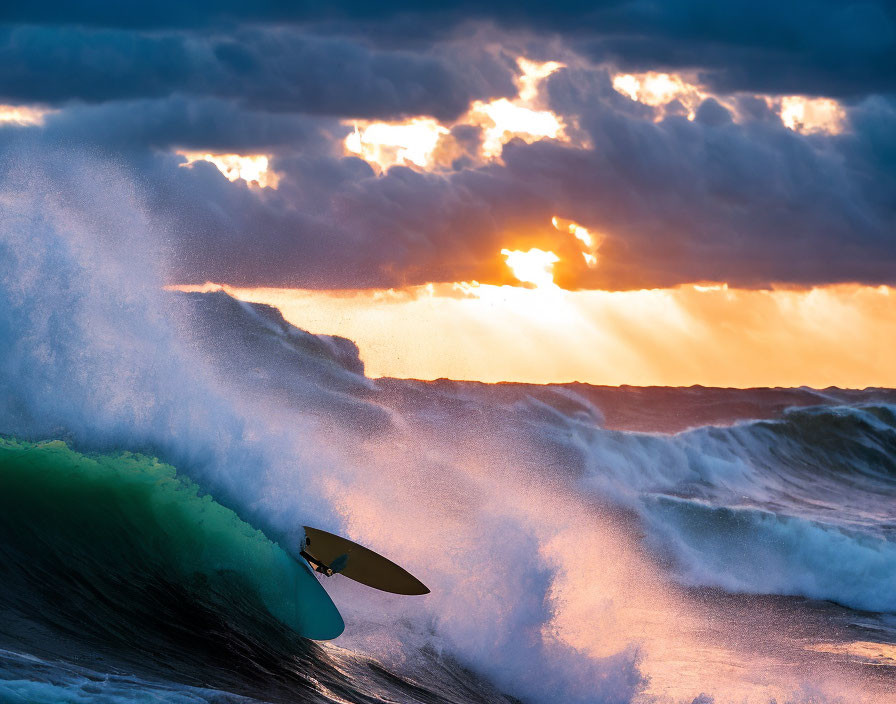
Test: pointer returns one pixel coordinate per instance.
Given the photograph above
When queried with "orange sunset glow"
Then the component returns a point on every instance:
(535, 331)
(695, 334)
(451, 352)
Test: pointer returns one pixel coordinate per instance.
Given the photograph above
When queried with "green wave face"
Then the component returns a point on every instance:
(101, 531)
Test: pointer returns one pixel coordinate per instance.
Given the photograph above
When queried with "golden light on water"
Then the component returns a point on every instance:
(252, 168)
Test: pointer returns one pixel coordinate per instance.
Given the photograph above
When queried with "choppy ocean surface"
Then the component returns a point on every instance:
(160, 453)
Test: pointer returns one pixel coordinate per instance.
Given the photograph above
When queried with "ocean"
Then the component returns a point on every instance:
(161, 452)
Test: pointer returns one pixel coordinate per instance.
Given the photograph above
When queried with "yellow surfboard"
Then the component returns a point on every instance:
(331, 554)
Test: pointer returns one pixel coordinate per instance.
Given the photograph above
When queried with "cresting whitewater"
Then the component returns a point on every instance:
(161, 452)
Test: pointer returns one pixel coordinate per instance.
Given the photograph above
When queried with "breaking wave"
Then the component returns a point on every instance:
(164, 450)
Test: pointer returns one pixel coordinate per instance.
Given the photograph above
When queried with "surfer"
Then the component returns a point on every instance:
(315, 563)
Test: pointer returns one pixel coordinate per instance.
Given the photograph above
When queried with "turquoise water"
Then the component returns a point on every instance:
(117, 518)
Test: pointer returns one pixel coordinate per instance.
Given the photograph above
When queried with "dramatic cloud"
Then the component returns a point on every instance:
(273, 69)
(814, 46)
(692, 141)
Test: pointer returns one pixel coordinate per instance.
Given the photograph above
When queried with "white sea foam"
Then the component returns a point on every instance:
(94, 351)
(525, 521)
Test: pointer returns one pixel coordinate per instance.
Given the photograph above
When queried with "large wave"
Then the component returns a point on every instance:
(114, 558)
(115, 526)
(802, 505)
(94, 352)
(548, 540)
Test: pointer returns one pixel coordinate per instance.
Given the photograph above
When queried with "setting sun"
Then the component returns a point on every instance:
(525, 352)
(533, 267)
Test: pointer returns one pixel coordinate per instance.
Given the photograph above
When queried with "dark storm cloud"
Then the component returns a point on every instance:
(181, 122)
(676, 201)
(269, 69)
(751, 203)
(827, 47)
(746, 200)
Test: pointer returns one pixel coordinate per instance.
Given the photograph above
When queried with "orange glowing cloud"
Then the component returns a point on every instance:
(799, 113)
(252, 168)
(659, 89)
(386, 144)
(424, 143)
(588, 239)
(810, 115)
(503, 120)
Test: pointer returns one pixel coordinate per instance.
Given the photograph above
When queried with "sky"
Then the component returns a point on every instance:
(615, 192)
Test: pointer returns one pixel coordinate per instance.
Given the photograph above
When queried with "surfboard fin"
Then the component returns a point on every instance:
(339, 563)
